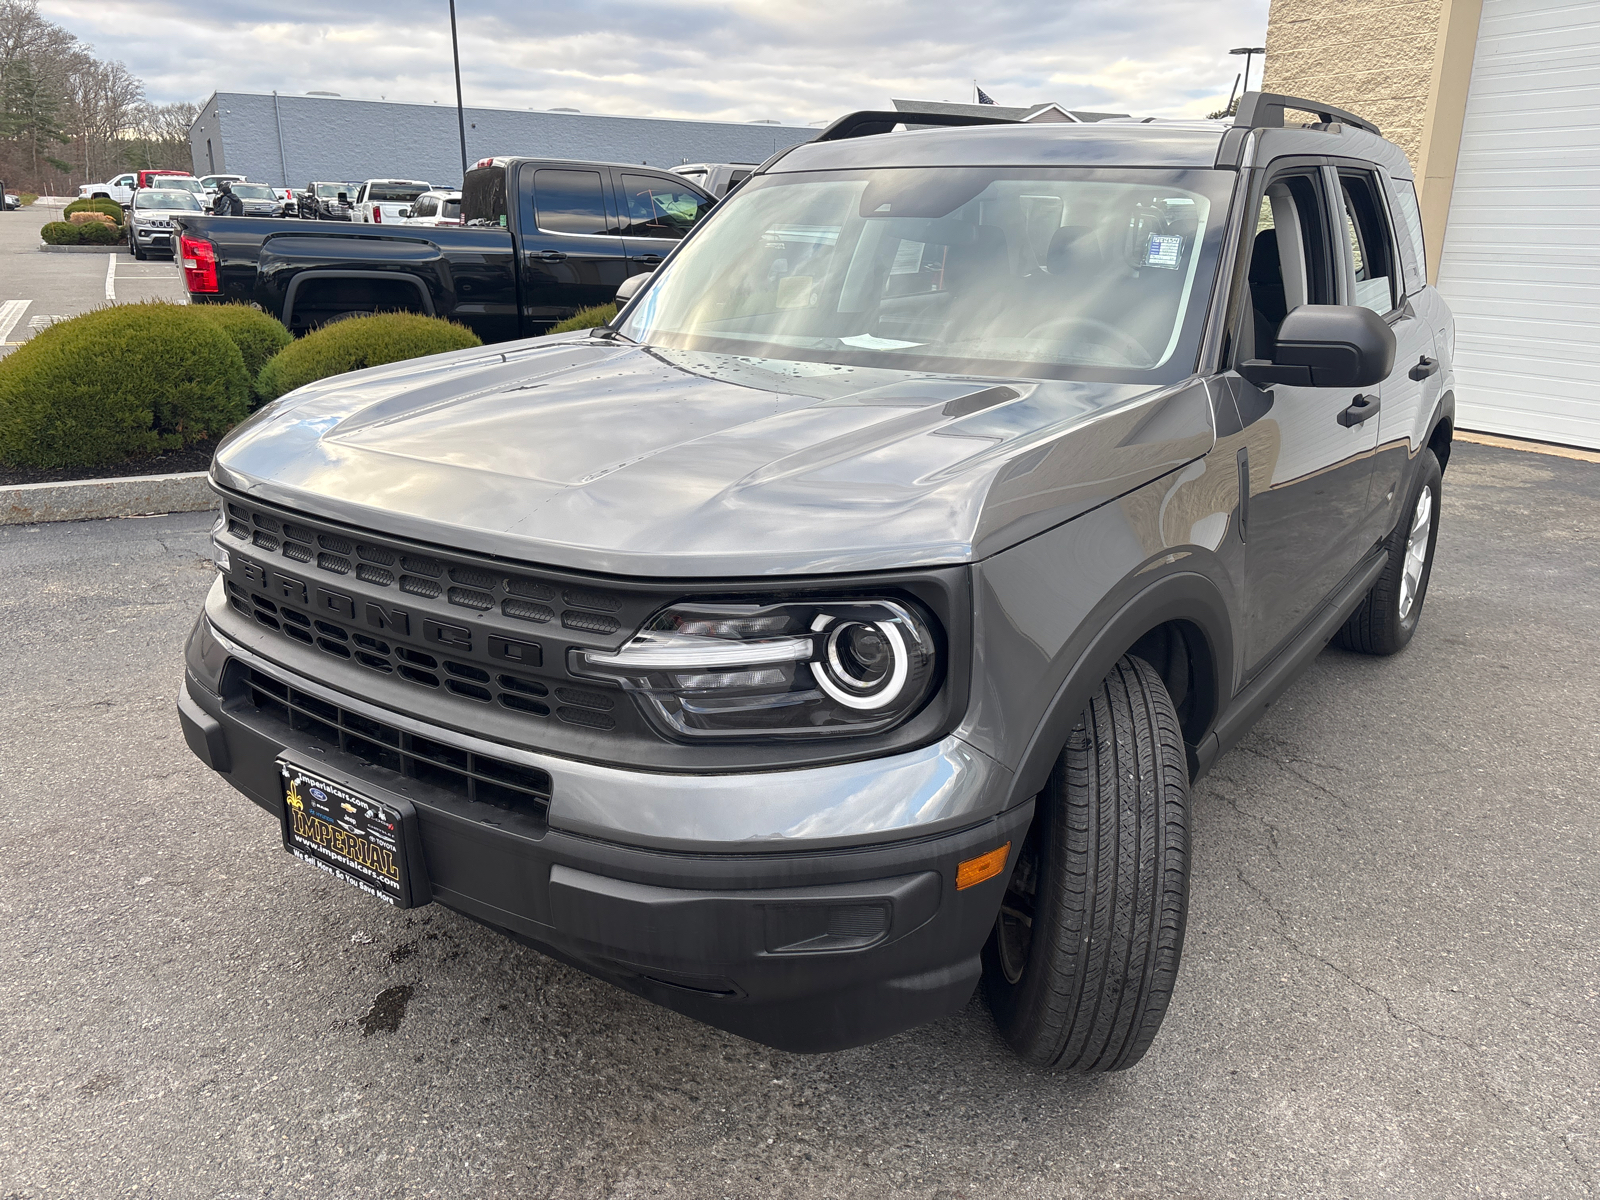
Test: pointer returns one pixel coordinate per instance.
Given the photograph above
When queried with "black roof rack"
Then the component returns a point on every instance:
(873, 121)
(1264, 110)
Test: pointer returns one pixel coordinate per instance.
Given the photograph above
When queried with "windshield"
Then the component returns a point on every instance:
(166, 198)
(1054, 273)
(330, 191)
(188, 185)
(253, 191)
(395, 193)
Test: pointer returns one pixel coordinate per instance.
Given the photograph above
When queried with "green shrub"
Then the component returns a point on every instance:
(60, 233)
(258, 335)
(96, 233)
(585, 318)
(358, 342)
(109, 207)
(119, 382)
(27, 198)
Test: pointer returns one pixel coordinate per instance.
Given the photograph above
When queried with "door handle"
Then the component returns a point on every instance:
(1425, 366)
(1361, 408)
(647, 258)
(551, 255)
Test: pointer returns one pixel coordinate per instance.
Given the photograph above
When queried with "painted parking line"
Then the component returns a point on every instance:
(10, 313)
(111, 277)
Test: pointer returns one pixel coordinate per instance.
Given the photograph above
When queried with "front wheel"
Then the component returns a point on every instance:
(1081, 963)
(1388, 614)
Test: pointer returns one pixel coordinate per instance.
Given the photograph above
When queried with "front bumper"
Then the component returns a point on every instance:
(798, 942)
(153, 237)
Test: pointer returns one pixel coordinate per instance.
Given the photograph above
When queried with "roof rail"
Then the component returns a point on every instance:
(1264, 110)
(873, 121)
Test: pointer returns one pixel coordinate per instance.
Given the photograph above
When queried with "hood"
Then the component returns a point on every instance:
(636, 460)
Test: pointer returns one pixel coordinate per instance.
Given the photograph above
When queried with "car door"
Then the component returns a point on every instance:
(1308, 467)
(1373, 278)
(656, 211)
(572, 256)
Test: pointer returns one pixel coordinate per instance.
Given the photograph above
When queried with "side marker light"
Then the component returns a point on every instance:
(986, 866)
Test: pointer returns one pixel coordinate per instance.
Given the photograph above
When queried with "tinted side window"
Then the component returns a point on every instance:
(656, 208)
(425, 207)
(1371, 247)
(1412, 246)
(569, 201)
(483, 197)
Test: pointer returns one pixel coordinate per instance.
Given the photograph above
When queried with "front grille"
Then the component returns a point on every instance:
(426, 668)
(493, 606)
(466, 774)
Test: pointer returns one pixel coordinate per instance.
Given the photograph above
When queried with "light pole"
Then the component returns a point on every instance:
(1249, 53)
(461, 113)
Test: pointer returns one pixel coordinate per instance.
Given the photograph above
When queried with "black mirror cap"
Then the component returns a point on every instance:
(630, 287)
(1328, 345)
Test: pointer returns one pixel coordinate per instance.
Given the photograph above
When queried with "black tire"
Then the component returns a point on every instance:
(1384, 622)
(138, 254)
(1081, 964)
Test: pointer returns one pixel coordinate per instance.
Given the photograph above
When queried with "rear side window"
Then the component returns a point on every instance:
(483, 198)
(658, 209)
(1371, 248)
(1413, 249)
(570, 201)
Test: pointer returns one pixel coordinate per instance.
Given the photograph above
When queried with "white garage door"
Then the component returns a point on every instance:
(1521, 261)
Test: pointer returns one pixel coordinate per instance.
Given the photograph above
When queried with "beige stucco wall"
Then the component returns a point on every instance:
(1373, 57)
(1403, 64)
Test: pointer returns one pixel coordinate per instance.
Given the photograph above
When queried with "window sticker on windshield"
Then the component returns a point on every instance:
(1164, 252)
(907, 259)
(867, 341)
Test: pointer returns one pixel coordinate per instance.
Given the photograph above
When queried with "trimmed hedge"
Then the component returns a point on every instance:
(109, 207)
(60, 233)
(258, 335)
(116, 383)
(97, 233)
(358, 342)
(585, 318)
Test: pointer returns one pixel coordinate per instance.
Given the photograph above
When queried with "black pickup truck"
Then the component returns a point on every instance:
(539, 239)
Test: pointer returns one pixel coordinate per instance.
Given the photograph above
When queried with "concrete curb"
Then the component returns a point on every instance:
(119, 248)
(96, 499)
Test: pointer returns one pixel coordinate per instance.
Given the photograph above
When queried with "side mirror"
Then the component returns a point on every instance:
(1327, 345)
(631, 287)
(405, 213)
(344, 198)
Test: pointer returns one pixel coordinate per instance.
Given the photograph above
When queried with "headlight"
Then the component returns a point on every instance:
(788, 669)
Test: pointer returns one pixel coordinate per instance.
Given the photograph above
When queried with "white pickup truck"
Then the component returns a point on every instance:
(381, 201)
(119, 189)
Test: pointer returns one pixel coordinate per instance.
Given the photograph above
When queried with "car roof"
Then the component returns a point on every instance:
(1088, 144)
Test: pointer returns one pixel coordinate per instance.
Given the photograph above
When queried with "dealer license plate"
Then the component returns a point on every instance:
(366, 842)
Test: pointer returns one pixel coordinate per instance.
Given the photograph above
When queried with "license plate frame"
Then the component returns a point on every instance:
(360, 834)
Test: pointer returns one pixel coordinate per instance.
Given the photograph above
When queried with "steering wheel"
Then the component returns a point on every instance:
(1132, 351)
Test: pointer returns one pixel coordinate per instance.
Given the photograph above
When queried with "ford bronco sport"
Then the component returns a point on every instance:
(845, 624)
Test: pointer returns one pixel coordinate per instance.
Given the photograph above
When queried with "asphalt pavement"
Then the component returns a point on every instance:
(1389, 989)
(37, 289)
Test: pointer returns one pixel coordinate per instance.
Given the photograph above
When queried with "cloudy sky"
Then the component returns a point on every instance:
(738, 60)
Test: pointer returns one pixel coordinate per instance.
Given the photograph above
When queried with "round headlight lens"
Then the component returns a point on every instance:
(865, 664)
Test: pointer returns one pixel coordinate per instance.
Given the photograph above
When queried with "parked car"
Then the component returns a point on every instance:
(187, 183)
(286, 197)
(380, 200)
(845, 623)
(9, 200)
(150, 218)
(326, 201)
(258, 199)
(119, 189)
(209, 184)
(433, 208)
(716, 178)
(144, 179)
(540, 239)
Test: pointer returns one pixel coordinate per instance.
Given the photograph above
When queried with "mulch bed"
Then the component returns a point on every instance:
(196, 458)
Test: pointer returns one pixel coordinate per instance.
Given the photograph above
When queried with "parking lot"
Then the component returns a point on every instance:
(1390, 984)
(37, 288)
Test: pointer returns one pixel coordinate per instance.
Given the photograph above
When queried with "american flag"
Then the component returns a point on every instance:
(983, 96)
